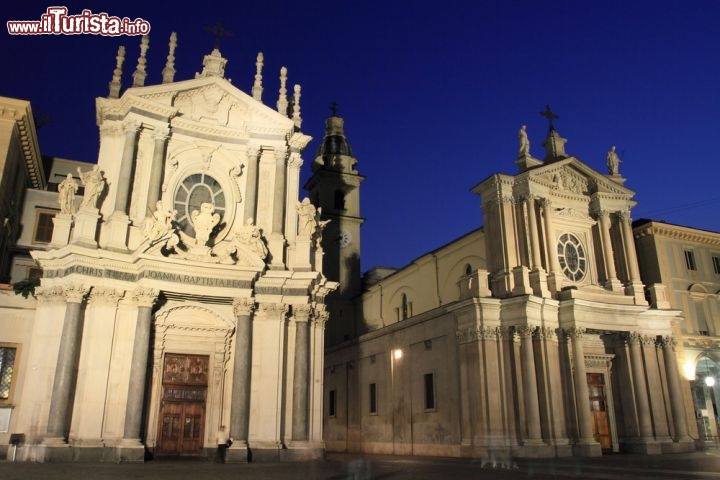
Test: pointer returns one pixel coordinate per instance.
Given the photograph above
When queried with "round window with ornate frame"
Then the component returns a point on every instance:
(572, 257)
(193, 191)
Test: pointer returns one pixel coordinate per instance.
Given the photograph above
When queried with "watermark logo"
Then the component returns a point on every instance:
(56, 21)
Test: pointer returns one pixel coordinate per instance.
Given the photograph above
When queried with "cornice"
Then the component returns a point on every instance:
(677, 232)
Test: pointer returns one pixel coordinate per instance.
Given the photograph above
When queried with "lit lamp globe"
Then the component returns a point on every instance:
(710, 381)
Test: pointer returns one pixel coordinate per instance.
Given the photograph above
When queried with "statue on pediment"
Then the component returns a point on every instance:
(524, 150)
(613, 162)
(94, 183)
(66, 195)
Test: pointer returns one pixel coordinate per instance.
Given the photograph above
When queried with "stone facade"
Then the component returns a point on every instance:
(681, 267)
(528, 337)
(179, 303)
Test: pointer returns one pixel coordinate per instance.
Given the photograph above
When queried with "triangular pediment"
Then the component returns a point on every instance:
(206, 102)
(572, 176)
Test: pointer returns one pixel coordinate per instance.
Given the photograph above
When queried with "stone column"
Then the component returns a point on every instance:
(534, 237)
(634, 286)
(144, 298)
(582, 394)
(607, 250)
(677, 404)
(530, 390)
(67, 363)
(538, 277)
(301, 315)
(293, 180)
(281, 155)
(122, 185)
(240, 405)
(251, 186)
(554, 277)
(156, 170)
(642, 403)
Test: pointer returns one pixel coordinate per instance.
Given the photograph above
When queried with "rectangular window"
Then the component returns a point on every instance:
(7, 370)
(43, 226)
(429, 391)
(716, 264)
(690, 260)
(331, 403)
(373, 398)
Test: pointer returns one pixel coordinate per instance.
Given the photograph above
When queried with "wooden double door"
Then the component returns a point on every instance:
(599, 409)
(182, 411)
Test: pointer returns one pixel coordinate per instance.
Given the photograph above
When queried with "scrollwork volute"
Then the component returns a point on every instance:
(575, 333)
(668, 342)
(272, 310)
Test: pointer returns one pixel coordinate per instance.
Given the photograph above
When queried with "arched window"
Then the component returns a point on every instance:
(339, 200)
(468, 270)
(404, 307)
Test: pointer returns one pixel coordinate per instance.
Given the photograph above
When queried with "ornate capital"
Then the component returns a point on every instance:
(575, 333)
(524, 331)
(639, 338)
(602, 214)
(105, 296)
(295, 160)
(281, 154)
(272, 310)
(545, 333)
(49, 294)
(301, 313)
(145, 297)
(545, 203)
(624, 215)
(111, 128)
(508, 199)
(668, 342)
(160, 134)
(131, 126)
(75, 293)
(252, 152)
(243, 306)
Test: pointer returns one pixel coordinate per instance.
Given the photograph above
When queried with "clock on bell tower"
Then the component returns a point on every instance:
(334, 187)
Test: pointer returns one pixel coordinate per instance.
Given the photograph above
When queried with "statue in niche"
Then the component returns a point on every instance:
(159, 224)
(250, 236)
(524, 150)
(93, 182)
(204, 220)
(613, 162)
(307, 218)
(66, 195)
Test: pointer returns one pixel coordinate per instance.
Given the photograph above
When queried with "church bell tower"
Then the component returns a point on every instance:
(334, 189)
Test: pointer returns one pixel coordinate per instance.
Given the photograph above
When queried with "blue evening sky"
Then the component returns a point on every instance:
(432, 93)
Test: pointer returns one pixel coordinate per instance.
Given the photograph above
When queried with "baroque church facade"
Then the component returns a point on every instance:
(530, 336)
(182, 299)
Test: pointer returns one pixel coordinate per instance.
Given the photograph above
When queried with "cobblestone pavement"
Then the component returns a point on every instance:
(337, 467)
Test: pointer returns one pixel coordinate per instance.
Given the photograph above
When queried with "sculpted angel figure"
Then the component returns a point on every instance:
(613, 162)
(93, 182)
(250, 236)
(66, 195)
(159, 223)
(204, 221)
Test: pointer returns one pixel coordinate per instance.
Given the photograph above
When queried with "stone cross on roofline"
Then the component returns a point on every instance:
(219, 31)
(550, 115)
